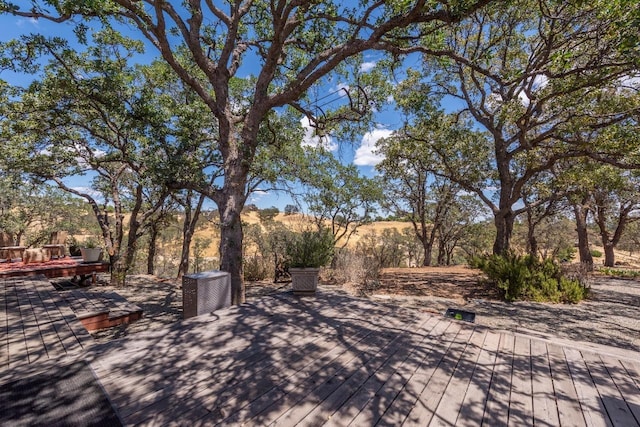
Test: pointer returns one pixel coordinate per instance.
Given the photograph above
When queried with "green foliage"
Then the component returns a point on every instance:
(566, 253)
(91, 242)
(596, 253)
(390, 248)
(525, 278)
(618, 272)
(291, 209)
(312, 249)
(268, 214)
(338, 194)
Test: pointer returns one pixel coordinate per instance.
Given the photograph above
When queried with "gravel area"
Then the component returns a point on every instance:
(610, 316)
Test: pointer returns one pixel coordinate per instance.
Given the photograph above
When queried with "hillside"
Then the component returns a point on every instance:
(295, 221)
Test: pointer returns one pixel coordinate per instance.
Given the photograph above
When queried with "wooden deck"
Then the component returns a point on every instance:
(338, 360)
(36, 324)
(61, 267)
(324, 360)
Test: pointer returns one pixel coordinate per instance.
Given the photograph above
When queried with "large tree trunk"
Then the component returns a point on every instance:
(427, 250)
(609, 255)
(442, 252)
(231, 244)
(580, 212)
(503, 221)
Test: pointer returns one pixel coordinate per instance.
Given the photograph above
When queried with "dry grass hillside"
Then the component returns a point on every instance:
(294, 222)
(298, 222)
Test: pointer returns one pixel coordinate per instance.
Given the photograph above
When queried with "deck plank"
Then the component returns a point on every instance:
(383, 400)
(588, 396)
(521, 400)
(633, 371)
(235, 370)
(390, 400)
(321, 386)
(4, 326)
(545, 408)
(617, 409)
(497, 408)
(569, 411)
(16, 342)
(60, 318)
(31, 313)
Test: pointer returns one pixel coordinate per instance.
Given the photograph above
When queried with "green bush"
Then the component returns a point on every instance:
(525, 278)
(619, 272)
(596, 253)
(310, 248)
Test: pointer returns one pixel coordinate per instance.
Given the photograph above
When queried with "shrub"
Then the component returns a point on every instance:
(566, 253)
(353, 267)
(312, 249)
(254, 269)
(596, 253)
(525, 278)
(619, 272)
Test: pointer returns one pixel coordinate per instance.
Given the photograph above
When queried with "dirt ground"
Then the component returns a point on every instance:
(610, 316)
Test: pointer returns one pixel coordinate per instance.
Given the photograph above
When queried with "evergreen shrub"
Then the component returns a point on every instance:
(596, 253)
(525, 278)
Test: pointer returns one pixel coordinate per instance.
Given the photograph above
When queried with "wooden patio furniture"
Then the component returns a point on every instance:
(9, 249)
(56, 246)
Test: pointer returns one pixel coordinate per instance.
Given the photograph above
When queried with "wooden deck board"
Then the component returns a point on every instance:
(496, 411)
(50, 338)
(521, 400)
(4, 327)
(315, 373)
(545, 408)
(16, 342)
(371, 401)
(36, 349)
(369, 378)
(566, 395)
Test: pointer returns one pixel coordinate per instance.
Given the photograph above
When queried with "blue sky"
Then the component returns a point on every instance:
(359, 151)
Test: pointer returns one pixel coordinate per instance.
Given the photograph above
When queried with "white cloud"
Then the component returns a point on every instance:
(25, 21)
(367, 66)
(256, 196)
(365, 154)
(311, 139)
(88, 190)
(539, 82)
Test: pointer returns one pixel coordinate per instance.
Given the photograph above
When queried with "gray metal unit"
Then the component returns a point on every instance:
(205, 292)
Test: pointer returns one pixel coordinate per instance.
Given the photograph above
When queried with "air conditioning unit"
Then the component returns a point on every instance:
(205, 292)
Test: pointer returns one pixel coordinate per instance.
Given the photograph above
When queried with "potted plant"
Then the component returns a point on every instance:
(90, 250)
(306, 253)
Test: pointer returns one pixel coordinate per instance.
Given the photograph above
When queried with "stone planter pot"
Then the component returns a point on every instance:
(91, 254)
(304, 280)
